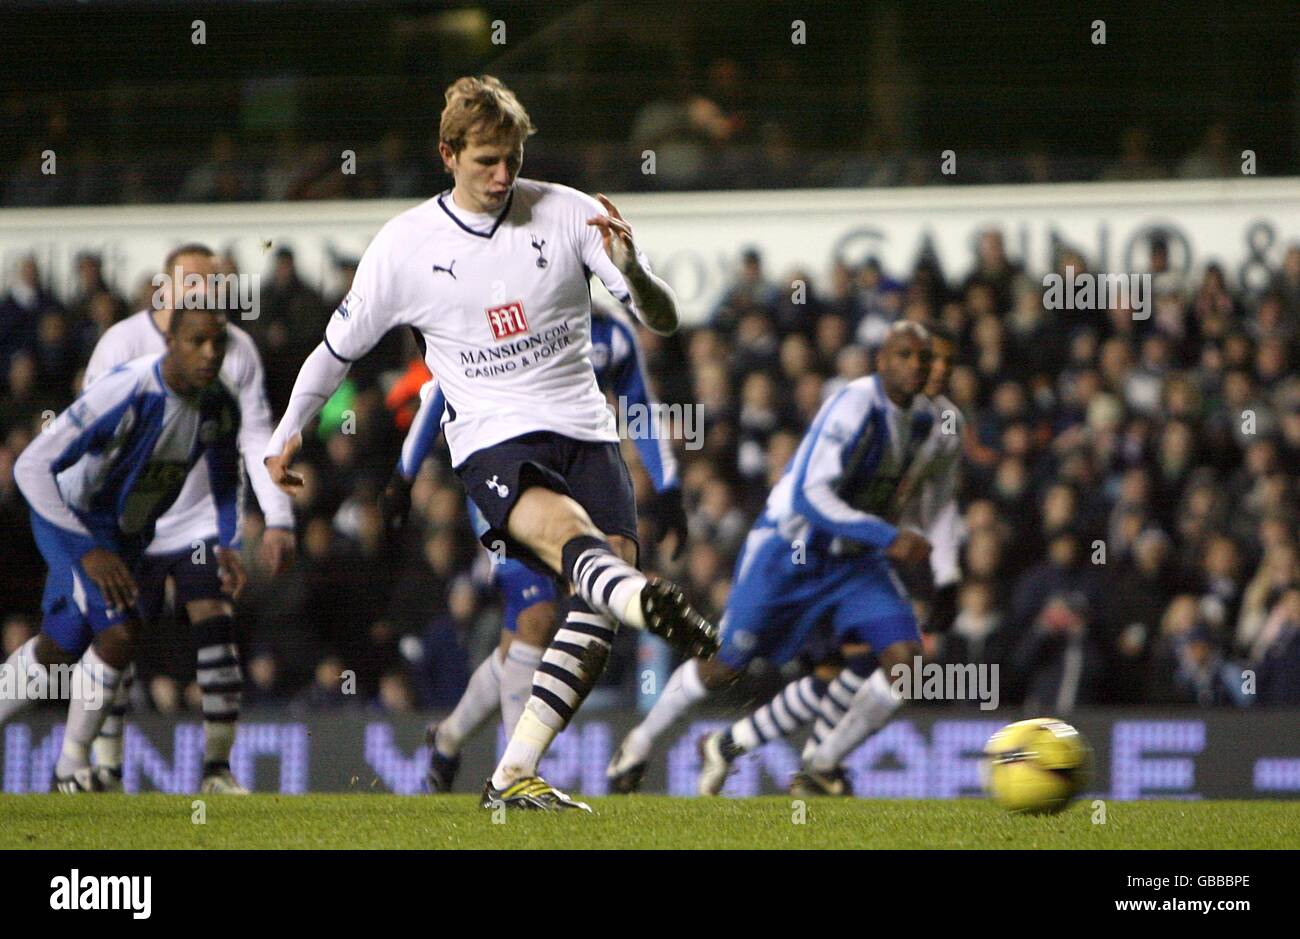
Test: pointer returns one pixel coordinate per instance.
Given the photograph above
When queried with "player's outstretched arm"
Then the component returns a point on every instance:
(395, 499)
(318, 379)
(652, 298)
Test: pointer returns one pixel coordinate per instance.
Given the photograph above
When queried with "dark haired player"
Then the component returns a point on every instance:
(97, 480)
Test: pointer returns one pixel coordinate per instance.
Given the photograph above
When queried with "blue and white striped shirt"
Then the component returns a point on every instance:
(857, 476)
(116, 459)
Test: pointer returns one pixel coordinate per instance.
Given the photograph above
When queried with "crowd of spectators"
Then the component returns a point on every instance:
(1129, 498)
(709, 133)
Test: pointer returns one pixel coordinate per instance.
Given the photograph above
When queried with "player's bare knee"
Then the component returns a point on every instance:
(200, 610)
(536, 624)
(827, 671)
(715, 674)
(116, 645)
(624, 547)
(48, 652)
(900, 653)
(546, 521)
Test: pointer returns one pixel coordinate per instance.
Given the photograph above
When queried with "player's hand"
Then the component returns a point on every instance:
(278, 466)
(111, 576)
(395, 502)
(908, 548)
(278, 550)
(670, 521)
(616, 233)
(230, 567)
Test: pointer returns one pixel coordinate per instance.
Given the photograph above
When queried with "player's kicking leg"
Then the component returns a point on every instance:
(505, 677)
(570, 506)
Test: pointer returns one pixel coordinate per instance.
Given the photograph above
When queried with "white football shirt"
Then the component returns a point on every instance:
(939, 495)
(504, 306)
(192, 517)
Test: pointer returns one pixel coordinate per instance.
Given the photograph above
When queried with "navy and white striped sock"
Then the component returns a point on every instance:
(839, 695)
(609, 585)
(222, 685)
(794, 706)
(567, 673)
(572, 663)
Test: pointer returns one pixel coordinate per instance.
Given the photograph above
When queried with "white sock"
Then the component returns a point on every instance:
(218, 740)
(108, 745)
(24, 670)
(527, 744)
(873, 705)
(478, 703)
(633, 615)
(93, 683)
(683, 690)
(522, 659)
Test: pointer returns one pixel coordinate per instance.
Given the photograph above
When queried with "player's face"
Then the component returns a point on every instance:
(904, 366)
(197, 347)
(941, 352)
(485, 171)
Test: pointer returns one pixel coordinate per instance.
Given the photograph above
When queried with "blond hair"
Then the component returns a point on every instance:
(485, 106)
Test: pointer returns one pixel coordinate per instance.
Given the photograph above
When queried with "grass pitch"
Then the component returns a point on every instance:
(385, 821)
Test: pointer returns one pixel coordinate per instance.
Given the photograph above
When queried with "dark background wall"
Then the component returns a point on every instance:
(991, 77)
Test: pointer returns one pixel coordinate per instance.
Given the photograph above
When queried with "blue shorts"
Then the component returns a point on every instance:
(776, 604)
(522, 587)
(73, 611)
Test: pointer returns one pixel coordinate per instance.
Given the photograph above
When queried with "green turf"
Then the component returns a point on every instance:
(384, 821)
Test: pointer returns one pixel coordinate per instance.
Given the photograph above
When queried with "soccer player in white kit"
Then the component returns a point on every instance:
(184, 539)
(494, 274)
